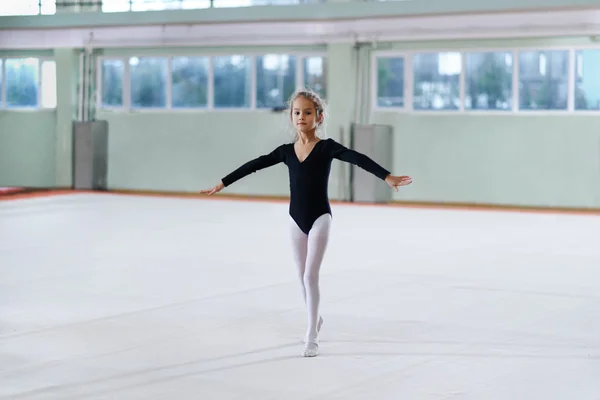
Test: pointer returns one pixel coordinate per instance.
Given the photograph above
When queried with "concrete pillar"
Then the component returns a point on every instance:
(67, 72)
(341, 89)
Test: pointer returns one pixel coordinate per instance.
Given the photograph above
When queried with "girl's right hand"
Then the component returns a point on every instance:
(214, 190)
(395, 181)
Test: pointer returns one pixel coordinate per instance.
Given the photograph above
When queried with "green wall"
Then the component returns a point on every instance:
(529, 160)
(27, 148)
(35, 145)
(509, 160)
(524, 160)
(27, 141)
(189, 151)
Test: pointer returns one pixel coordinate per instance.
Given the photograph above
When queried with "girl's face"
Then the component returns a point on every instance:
(304, 115)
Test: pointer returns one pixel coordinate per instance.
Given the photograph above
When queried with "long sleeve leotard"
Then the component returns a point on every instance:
(308, 179)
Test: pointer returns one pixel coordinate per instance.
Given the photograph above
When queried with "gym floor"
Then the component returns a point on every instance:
(106, 296)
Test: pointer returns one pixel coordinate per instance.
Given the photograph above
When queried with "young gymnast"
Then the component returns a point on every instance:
(308, 160)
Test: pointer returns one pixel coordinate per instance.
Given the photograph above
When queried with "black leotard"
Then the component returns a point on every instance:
(309, 178)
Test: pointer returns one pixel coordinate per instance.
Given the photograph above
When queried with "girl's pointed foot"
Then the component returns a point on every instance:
(311, 348)
(319, 324)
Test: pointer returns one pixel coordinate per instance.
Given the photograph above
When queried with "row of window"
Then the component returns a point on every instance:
(46, 7)
(27, 83)
(157, 5)
(231, 81)
(495, 80)
(498, 81)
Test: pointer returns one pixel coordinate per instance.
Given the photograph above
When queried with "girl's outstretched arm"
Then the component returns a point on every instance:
(343, 153)
(264, 161)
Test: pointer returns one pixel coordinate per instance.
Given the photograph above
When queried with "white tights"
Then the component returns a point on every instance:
(308, 254)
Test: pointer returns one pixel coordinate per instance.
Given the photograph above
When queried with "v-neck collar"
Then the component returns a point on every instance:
(309, 154)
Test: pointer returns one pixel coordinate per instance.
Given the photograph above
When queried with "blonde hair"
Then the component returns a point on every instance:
(320, 107)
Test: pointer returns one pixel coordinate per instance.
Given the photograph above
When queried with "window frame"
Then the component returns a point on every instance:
(99, 86)
(405, 55)
(514, 82)
(300, 84)
(38, 6)
(168, 86)
(463, 50)
(41, 83)
(180, 7)
(129, 7)
(39, 105)
(209, 85)
(573, 79)
(126, 108)
(211, 82)
(298, 78)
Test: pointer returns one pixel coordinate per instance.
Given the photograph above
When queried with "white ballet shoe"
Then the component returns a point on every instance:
(319, 324)
(311, 349)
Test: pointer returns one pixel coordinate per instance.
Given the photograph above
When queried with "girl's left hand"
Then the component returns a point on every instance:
(395, 181)
(214, 190)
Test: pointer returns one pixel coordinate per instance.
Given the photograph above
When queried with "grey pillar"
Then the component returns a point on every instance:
(90, 155)
(375, 141)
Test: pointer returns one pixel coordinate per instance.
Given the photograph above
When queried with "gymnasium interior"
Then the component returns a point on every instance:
(478, 281)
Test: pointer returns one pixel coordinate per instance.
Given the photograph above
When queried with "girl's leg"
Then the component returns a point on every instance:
(299, 249)
(318, 238)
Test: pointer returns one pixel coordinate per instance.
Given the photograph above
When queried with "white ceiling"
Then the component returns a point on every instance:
(481, 26)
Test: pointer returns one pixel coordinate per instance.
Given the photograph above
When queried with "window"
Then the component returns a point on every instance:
(19, 7)
(488, 81)
(48, 7)
(190, 82)
(27, 83)
(275, 79)
(248, 3)
(27, 7)
(158, 5)
(543, 80)
(315, 75)
(48, 84)
(112, 83)
(215, 82)
(155, 5)
(148, 82)
(233, 3)
(437, 81)
(390, 82)
(115, 6)
(587, 84)
(232, 81)
(273, 2)
(195, 4)
(22, 78)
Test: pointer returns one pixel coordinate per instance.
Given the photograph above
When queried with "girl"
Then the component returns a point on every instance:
(309, 162)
